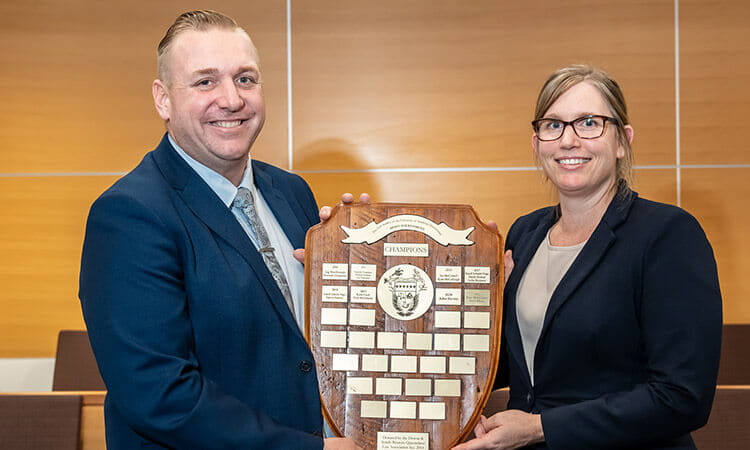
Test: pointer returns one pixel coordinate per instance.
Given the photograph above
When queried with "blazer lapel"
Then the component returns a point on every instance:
(591, 254)
(524, 250)
(204, 203)
(280, 207)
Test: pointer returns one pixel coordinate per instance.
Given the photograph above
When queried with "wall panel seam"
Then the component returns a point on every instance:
(395, 170)
(508, 169)
(289, 98)
(677, 141)
(62, 174)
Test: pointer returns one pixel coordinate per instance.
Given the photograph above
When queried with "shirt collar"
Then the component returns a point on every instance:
(223, 188)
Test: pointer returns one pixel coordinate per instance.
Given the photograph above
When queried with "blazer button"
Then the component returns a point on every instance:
(305, 365)
(528, 398)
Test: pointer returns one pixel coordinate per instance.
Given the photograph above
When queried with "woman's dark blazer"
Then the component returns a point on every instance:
(629, 349)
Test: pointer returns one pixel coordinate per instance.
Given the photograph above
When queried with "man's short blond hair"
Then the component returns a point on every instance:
(199, 20)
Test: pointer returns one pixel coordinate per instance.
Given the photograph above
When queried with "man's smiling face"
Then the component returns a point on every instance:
(212, 100)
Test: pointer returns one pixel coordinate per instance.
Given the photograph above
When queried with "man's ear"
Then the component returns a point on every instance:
(161, 99)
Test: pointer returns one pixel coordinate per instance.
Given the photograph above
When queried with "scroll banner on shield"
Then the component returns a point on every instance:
(403, 317)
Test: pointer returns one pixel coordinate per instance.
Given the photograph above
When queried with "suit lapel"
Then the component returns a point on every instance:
(280, 207)
(592, 253)
(524, 250)
(204, 203)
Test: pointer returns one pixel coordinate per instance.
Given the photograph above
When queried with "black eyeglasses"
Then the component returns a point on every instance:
(587, 127)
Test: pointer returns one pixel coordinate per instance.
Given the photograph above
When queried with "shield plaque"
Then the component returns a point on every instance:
(403, 318)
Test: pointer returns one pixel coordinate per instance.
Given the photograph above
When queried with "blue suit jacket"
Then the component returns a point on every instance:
(193, 338)
(629, 348)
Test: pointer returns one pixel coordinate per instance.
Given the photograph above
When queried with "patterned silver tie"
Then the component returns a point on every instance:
(246, 203)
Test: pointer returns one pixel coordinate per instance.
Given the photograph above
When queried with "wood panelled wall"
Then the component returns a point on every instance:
(425, 101)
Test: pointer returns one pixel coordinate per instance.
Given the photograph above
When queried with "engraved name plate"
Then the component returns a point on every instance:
(334, 293)
(367, 294)
(447, 296)
(403, 441)
(364, 272)
(403, 313)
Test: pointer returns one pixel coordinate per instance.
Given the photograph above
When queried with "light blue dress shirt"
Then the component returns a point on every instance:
(226, 191)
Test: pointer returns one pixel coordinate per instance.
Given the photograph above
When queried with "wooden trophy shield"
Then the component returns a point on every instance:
(403, 305)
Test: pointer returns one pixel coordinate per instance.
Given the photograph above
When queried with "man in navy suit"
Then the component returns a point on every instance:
(197, 344)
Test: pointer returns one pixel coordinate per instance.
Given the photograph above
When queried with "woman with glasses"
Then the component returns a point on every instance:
(612, 321)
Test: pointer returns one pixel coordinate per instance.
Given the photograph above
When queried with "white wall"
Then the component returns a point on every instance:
(26, 374)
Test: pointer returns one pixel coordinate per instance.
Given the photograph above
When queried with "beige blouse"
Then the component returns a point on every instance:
(540, 280)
